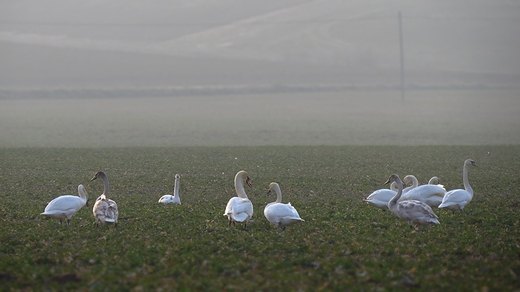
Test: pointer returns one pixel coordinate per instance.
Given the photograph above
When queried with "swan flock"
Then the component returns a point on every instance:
(412, 204)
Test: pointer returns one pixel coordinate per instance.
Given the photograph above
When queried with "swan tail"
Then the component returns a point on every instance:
(446, 205)
(240, 217)
(293, 219)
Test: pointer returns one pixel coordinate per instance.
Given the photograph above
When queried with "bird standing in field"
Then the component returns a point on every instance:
(430, 194)
(240, 209)
(64, 207)
(105, 210)
(280, 214)
(380, 198)
(456, 200)
(412, 211)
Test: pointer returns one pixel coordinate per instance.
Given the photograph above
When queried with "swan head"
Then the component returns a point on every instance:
(98, 174)
(410, 179)
(433, 181)
(81, 189)
(470, 162)
(393, 178)
(244, 176)
(272, 186)
(177, 177)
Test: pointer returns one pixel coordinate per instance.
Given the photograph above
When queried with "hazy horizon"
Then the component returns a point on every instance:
(120, 44)
(231, 72)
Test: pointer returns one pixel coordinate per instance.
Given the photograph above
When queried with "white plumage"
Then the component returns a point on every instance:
(431, 194)
(104, 210)
(280, 214)
(408, 179)
(173, 199)
(380, 198)
(435, 181)
(456, 200)
(412, 211)
(64, 207)
(239, 209)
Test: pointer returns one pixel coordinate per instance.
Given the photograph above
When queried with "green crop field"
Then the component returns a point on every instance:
(343, 244)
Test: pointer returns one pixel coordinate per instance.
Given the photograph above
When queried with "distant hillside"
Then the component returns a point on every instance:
(158, 44)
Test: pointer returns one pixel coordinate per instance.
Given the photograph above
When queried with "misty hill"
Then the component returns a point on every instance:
(154, 44)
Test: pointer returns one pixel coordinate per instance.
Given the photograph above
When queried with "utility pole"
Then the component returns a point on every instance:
(402, 56)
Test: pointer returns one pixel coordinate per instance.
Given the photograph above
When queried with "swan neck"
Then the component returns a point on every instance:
(176, 189)
(393, 201)
(465, 179)
(278, 193)
(239, 186)
(82, 193)
(105, 185)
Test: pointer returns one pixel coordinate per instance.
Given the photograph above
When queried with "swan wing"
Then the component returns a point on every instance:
(239, 209)
(170, 199)
(165, 199)
(381, 195)
(432, 195)
(100, 209)
(230, 205)
(64, 206)
(417, 212)
(458, 197)
(380, 198)
(112, 212)
(281, 214)
(378, 204)
(243, 206)
(423, 191)
(240, 217)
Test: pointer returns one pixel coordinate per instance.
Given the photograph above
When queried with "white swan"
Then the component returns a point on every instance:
(175, 199)
(409, 179)
(412, 211)
(457, 199)
(280, 214)
(240, 209)
(432, 195)
(435, 181)
(104, 210)
(380, 198)
(64, 207)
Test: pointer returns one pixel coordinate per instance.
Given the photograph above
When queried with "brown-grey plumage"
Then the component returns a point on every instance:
(105, 210)
(412, 211)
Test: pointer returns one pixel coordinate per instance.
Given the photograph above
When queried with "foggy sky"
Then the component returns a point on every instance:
(58, 43)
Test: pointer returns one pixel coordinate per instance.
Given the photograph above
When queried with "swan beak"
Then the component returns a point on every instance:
(269, 191)
(248, 182)
(387, 182)
(93, 178)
